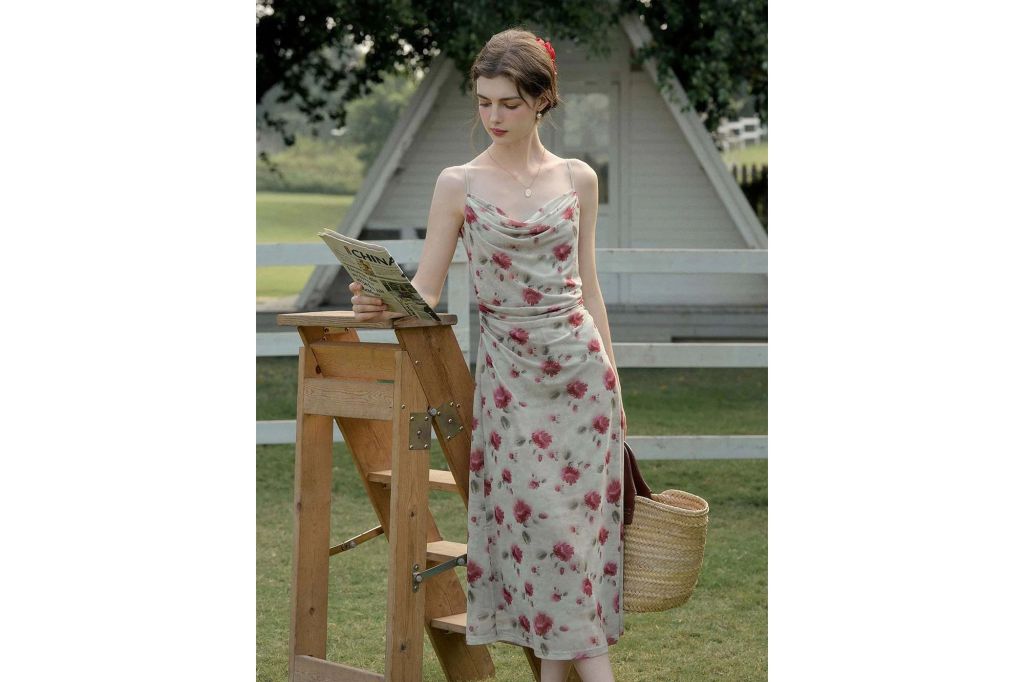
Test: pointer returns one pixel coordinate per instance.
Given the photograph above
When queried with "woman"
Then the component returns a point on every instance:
(544, 550)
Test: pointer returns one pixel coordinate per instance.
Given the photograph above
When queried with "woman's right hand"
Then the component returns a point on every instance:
(368, 308)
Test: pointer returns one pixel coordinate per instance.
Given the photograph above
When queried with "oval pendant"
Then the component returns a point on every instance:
(529, 191)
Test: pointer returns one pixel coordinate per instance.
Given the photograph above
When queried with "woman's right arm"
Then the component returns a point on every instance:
(447, 210)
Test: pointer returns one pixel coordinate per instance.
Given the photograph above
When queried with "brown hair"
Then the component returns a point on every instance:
(516, 54)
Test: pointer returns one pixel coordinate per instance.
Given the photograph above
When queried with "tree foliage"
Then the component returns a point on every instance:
(323, 54)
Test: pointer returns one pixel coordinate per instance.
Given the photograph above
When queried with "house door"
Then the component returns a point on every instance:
(585, 126)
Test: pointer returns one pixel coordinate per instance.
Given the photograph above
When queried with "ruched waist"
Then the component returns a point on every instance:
(526, 314)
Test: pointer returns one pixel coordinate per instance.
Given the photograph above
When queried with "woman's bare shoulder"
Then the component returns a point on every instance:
(450, 188)
(582, 168)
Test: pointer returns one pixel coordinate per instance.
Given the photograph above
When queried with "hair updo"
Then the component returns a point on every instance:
(518, 55)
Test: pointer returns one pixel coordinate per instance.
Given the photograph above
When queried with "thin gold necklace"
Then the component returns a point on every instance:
(528, 192)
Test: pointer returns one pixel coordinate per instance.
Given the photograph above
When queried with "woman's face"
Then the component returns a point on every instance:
(503, 109)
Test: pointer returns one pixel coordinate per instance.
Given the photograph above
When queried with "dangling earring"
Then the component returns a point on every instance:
(538, 114)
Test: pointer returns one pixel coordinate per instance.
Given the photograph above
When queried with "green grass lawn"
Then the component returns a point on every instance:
(720, 634)
(753, 155)
(283, 217)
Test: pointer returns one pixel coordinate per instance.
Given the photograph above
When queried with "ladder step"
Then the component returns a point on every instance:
(443, 550)
(440, 479)
(453, 623)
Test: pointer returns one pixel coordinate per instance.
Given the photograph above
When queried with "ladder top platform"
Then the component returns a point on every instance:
(346, 318)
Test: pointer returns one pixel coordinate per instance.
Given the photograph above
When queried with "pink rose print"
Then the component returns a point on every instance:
(614, 490)
(519, 335)
(499, 514)
(470, 215)
(555, 596)
(528, 588)
(551, 367)
(562, 251)
(569, 212)
(602, 535)
(609, 379)
(611, 568)
(570, 474)
(522, 511)
(576, 319)
(506, 476)
(502, 396)
(473, 571)
(531, 296)
(615, 602)
(541, 438)
(576, 388)
(495, 440)
(507, 595)
(482, 307)
(490, 362)
(476, 460)
(487, 487)
(502, 260)
(601, 423)
(563, 550)
(592, 499)
(524, 622)
(570, 283)
(587, 587)
(542, 623)
(517, 554)
(594, 345)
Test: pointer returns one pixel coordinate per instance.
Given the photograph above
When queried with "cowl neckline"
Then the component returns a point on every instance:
(536, 215)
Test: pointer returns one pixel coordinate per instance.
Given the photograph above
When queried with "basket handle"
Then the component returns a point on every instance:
(634, 483)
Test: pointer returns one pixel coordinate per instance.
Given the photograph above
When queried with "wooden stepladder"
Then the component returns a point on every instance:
(387, 398)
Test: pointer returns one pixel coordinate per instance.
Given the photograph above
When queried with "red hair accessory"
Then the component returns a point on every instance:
(551, 52)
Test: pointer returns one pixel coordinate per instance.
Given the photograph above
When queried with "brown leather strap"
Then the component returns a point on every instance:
(634, 484)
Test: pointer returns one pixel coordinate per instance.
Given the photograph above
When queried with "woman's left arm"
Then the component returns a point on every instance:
(586, 187)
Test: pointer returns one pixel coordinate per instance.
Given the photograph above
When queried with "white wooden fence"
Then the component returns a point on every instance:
(740, 133)
(626, 260)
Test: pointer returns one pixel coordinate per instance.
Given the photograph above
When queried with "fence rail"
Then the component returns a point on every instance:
(617, 260)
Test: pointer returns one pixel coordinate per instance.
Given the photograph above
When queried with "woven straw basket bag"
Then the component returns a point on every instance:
(663, 544)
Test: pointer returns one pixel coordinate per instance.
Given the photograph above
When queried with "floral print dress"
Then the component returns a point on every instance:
(544, 552)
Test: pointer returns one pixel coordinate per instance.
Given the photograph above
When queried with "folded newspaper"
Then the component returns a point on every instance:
(374, 267)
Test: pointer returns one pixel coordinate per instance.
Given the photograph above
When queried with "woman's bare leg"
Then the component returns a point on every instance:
(553, 671)
(595, 669)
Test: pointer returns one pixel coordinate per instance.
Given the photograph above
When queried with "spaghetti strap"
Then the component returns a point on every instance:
(571, 179)
(466, 169)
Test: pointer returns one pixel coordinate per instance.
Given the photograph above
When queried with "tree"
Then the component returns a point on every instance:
(718, 50)
(325, 53)
(371, 118)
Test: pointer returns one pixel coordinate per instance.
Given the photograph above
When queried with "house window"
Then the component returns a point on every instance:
(586, 134)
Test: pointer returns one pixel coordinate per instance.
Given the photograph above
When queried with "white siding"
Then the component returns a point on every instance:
(671, 203)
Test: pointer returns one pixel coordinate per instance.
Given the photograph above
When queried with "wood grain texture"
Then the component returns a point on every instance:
(312, 518)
